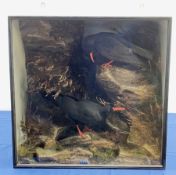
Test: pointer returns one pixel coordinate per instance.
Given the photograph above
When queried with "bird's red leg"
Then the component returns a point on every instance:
(107, 65)
(79, 131)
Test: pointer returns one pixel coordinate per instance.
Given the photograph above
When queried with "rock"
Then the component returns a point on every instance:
(50, 144)
(103, 144)
(81, 152)
(48, 155)
(63, 155)
(26, 160)
(76, 140)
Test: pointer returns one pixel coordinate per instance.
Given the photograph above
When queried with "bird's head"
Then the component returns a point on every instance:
(97, 58)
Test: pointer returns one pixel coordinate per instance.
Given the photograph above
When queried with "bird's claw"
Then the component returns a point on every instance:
(107, 65)
(86, 129)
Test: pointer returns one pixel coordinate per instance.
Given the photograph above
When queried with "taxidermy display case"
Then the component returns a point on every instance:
(89, 92)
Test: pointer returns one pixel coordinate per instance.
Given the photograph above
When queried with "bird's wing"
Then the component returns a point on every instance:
(113, 49)
(89, 110)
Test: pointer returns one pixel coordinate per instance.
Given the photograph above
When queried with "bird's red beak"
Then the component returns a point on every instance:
(118, 108)
(91, 57)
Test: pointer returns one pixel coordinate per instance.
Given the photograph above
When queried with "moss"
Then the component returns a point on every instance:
(104, 154)
(25, 151)
(136, 151)
(94, 136)
(59, 147)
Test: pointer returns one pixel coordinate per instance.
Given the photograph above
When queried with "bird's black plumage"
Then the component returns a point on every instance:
(84, 113)
(108, 46)
(113, 48)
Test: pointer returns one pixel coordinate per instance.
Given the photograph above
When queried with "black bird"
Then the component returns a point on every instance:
(106, 48)
(85, 113)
